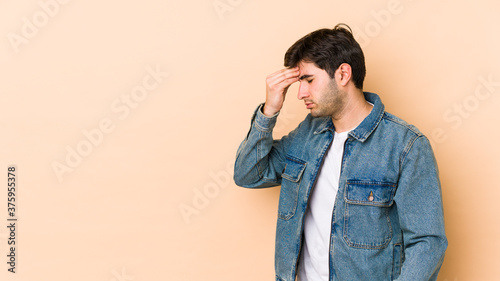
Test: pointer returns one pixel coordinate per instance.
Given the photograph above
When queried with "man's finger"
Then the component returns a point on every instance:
(284, 70)
(282, 75)
(289, 81)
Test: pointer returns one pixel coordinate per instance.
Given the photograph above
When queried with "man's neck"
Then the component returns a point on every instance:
(355, 111)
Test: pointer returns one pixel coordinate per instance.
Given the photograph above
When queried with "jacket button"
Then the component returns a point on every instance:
(370, 197)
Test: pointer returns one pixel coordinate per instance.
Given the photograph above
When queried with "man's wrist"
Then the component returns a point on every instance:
(263, 122)
(268, 111)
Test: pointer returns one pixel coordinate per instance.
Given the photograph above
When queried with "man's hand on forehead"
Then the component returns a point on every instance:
(277, 85)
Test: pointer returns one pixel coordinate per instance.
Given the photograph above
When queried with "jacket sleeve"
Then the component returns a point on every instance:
(260, 159)
(420, 208)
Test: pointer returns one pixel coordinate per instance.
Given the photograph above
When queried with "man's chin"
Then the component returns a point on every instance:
(315, 113)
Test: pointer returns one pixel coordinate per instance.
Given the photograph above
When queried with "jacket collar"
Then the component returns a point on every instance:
(367, 126)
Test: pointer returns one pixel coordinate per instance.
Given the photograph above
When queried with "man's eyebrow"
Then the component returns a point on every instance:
(305, 76)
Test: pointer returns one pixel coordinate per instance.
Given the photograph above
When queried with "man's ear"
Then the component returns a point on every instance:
(343, 74)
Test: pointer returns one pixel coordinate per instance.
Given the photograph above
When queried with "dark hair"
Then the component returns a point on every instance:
(328, 49)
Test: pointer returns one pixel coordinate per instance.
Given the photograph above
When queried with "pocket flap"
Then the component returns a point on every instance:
(370, 193)
(294, 168)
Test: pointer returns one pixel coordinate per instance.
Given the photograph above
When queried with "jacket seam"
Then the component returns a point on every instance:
(407, 150)
(405, 125)
(259, 147)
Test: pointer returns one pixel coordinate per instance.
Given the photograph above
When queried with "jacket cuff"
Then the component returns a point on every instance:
(262, 122)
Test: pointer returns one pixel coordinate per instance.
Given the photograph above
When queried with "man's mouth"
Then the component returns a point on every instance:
(309, 105)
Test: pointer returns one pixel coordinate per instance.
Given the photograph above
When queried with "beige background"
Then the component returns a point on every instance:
(124, 174)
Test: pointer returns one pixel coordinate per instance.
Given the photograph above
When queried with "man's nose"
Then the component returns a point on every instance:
(303, 91)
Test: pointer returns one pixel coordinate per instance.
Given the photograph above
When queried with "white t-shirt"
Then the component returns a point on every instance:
(314, 259)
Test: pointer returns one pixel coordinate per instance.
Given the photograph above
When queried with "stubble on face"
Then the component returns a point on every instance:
(331, 103)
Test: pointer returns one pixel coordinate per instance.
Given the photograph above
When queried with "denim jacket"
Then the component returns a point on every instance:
(387, 221)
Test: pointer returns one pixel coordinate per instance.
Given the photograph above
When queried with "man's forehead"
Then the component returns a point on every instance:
(308, 69)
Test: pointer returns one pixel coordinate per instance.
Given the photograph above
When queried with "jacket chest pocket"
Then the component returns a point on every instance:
(292, 177)
(366, 219)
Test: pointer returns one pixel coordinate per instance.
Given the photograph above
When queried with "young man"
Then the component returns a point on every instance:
(360, 194)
